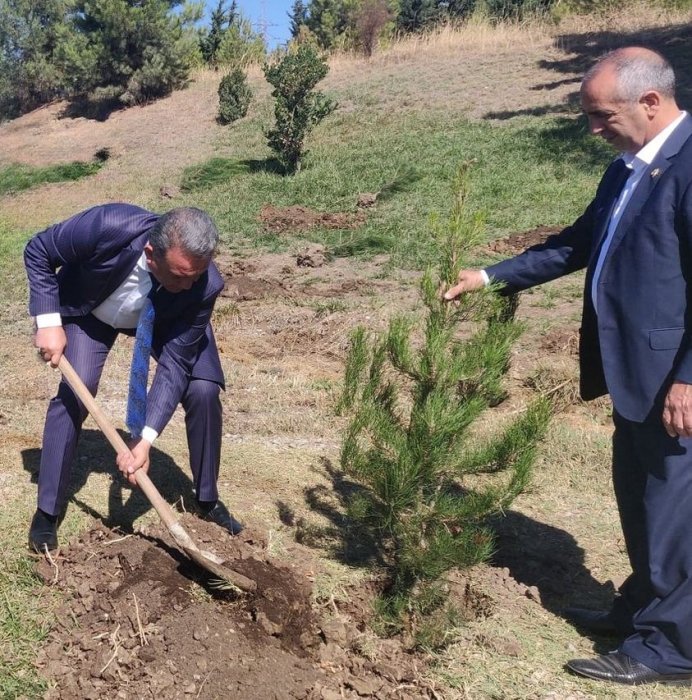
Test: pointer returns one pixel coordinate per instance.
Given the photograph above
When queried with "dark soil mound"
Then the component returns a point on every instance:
(141, 621)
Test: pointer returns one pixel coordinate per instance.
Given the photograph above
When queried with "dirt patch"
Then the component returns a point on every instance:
(299, 218)
(141, 621)
(518, 242)
(561, 341)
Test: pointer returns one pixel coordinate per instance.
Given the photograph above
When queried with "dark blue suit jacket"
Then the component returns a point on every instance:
(75, 265)
(641, 340)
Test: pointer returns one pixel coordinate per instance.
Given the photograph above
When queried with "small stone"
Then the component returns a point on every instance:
(268, 626)
(199, 634)
(335, 631)
(365, 687)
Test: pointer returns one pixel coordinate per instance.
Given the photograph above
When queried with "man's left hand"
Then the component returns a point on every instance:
(677, 410)
(137, 458)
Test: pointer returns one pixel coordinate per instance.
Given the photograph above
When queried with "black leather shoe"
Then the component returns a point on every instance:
(620, 668)
(593, 620)
(43, 532)
(217, 512)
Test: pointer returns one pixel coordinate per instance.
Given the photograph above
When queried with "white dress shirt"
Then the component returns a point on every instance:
(122, 308)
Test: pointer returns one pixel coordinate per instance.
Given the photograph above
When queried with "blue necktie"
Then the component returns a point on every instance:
(139, 371)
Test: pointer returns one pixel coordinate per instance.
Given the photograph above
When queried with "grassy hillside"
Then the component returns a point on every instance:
(504, 98)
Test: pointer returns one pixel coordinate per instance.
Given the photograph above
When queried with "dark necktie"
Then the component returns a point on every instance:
(619, 174)
(139, 371)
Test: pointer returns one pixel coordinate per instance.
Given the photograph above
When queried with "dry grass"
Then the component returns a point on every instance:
(629, 17)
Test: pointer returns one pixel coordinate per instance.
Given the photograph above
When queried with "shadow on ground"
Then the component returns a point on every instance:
(342, 537)
(536, 554)
(583, 49)
(125, 504)
(550, 559)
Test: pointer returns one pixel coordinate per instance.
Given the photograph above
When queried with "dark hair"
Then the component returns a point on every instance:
(188, 228)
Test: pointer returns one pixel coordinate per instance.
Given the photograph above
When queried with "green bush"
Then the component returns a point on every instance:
(240, 45)
(234, 96)
(297, 107)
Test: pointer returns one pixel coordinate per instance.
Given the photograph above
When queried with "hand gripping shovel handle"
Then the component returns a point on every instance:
(143, 481)
(206, 559)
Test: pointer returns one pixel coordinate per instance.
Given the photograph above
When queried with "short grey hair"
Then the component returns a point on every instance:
(638, 70)
(188, 228)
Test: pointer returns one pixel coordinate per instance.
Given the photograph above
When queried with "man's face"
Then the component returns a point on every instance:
(625, 125)
(177, 270)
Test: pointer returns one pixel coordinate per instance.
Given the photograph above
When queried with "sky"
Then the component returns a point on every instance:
(268, 17)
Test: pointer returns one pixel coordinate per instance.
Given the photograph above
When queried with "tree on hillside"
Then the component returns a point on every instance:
(414, 15)
(241, 44)
(458, 9)
(221, 20)
(298, 107)
(370, 18)
(234, 96)
(131, 51)
(298, 17)
(330, 20)
(516, 9)
(30, 73)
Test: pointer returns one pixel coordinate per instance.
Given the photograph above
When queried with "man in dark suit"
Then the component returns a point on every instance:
(635, 241)
(89, 279)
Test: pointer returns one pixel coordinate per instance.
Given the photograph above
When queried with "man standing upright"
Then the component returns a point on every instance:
(90, 278)
(635, 241)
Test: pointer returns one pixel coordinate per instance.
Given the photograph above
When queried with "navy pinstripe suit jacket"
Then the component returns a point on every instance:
(75, 265)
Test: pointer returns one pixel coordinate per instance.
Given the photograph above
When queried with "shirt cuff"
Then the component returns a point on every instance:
(486, 279)
(149, 434)
(48, 320)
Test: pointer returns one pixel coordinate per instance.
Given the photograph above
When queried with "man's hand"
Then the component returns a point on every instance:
(137, 458)
(677, 410)
(467, 281)
(51, 343)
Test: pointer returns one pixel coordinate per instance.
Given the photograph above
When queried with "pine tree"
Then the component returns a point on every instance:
(298, 16)
(30, 73)
(413, 394)
(241, 44)
(234, 96)
(221, 20)
(131, 51)
(415, 15)
(330, 20)
(459, 9)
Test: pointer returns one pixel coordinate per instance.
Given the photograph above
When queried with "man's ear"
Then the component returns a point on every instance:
(148, 253)
(651, 101)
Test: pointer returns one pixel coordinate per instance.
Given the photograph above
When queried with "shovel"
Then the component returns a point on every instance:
(207, 560)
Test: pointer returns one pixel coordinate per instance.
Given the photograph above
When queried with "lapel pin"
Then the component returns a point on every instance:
(655, 173)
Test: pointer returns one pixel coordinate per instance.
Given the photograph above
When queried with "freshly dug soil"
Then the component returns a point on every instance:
(140, 620)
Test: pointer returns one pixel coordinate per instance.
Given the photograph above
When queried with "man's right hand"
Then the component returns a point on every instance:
(467, 281)
(51, 343)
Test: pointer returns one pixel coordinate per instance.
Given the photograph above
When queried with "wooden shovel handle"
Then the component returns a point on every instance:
(103, 421)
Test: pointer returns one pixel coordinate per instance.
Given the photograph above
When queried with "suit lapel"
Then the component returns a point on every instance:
(650, 179)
